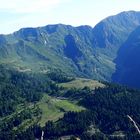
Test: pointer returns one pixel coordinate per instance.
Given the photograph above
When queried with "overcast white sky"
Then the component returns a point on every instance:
(15, 14)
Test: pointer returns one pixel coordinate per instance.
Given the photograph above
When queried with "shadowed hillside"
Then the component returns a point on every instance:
(127, 61)
(79, 51)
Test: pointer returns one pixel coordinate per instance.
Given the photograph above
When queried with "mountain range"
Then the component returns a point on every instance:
(107, 52)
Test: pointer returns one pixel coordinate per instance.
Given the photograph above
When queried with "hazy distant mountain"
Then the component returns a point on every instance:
(127, 61)
(82, 51)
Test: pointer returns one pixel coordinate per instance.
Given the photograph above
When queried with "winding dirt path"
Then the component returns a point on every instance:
(134, 123)
(42, 135)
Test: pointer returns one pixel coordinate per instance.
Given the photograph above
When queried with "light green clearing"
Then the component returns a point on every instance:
(54, 108)
(81, 83)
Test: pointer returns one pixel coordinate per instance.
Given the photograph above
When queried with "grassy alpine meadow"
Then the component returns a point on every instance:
(80, 83)
(53, 108)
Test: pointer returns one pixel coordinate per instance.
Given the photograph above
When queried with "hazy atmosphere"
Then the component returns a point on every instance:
(70, 70)
(16, 14)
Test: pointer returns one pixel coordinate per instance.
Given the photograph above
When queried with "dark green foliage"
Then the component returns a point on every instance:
(108, 110)
(8, 124)
(77, 93)
(18, 87)
(21, 89)
(73, 138)
(78, 51)
(70, 124)
(30, 134)
(128, 64)
(59, 77)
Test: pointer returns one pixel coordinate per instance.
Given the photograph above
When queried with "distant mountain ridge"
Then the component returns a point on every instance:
(82, 51)
(127, 61)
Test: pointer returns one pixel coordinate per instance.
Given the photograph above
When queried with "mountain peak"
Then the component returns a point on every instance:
(82, 50)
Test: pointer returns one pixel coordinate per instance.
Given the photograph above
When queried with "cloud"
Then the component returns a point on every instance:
(28, 6)
(15, 14)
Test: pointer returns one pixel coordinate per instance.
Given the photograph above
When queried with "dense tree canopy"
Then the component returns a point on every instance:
(105, 117)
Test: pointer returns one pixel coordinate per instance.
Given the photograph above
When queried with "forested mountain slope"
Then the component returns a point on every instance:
(127, 61)
(81, 51)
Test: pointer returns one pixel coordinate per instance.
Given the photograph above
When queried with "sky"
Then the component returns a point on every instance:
(16, 14)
